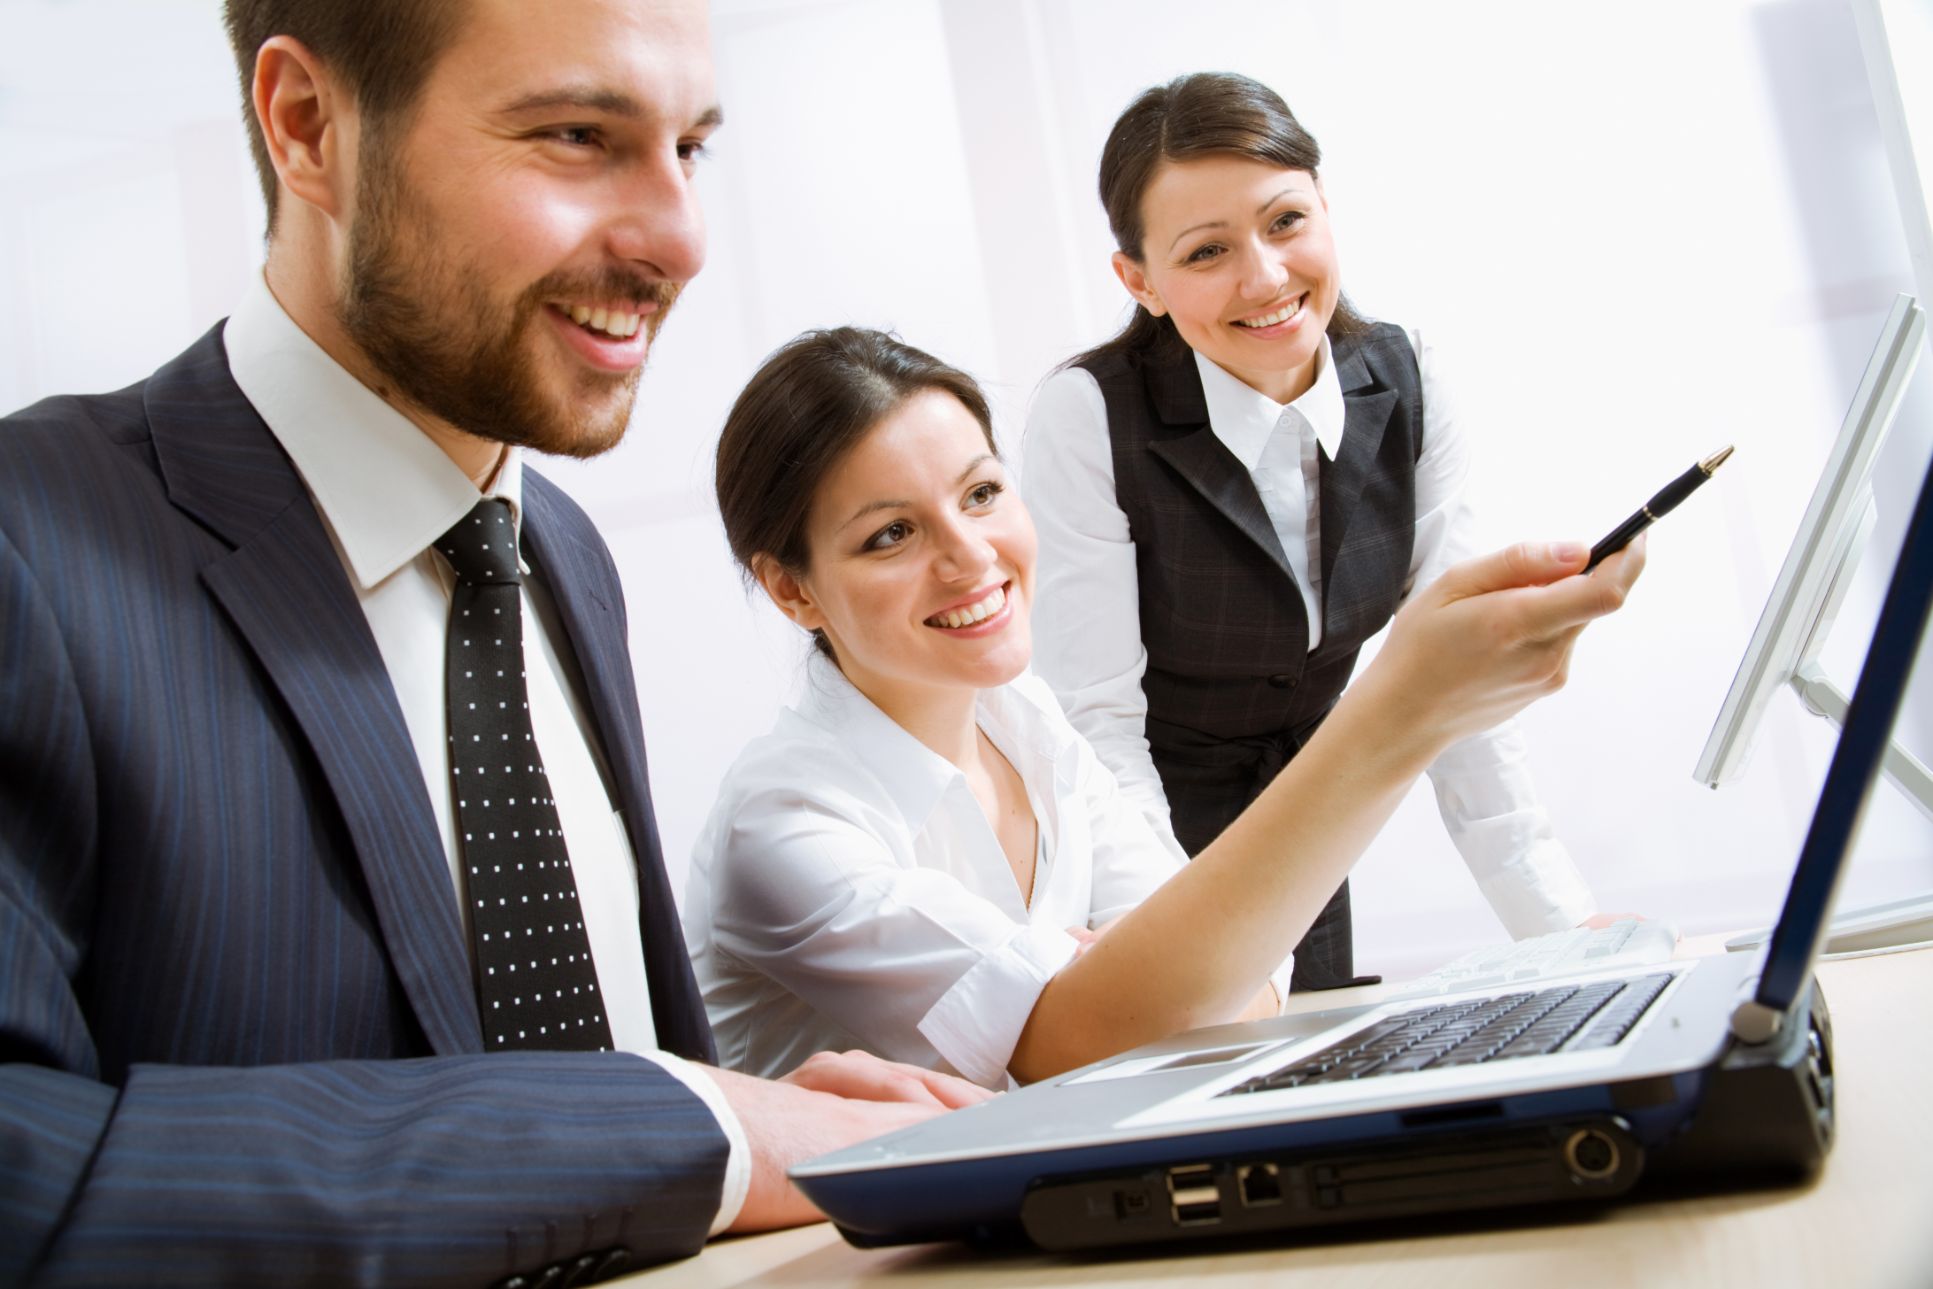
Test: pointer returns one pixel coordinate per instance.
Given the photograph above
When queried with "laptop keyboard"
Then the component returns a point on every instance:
(1626, 943)
(1573, 1018)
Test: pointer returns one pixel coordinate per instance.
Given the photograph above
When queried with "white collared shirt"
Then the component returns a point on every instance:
(1087, 616)
(848, 891)
(385, 492)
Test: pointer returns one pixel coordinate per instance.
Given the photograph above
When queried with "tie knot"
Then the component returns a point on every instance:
(482, 548)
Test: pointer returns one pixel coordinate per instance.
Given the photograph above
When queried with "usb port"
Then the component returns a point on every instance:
(1194, 1196)
(1260, 1185)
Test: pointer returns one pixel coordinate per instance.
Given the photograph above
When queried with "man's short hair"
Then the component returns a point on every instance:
(382, 49)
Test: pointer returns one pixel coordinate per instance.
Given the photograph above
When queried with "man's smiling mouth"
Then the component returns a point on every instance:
(612, 322)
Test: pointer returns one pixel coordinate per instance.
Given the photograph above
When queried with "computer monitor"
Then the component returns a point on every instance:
(1824, 553)
(1791, 632)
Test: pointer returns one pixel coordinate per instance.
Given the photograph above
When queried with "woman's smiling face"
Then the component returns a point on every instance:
(1238, 253)
(921, 569)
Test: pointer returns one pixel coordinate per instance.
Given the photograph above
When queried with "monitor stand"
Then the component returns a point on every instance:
(1877, 928)
(1898, 924)
(1823, 698)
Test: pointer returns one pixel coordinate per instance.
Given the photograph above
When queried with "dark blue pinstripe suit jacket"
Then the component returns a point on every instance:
(238, 1037)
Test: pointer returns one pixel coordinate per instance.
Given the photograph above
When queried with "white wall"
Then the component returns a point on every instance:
(1642, 230)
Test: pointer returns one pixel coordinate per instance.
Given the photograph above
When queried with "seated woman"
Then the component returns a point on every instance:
(923, 859)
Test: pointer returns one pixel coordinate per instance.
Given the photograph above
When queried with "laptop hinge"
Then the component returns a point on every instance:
(1753, 1022)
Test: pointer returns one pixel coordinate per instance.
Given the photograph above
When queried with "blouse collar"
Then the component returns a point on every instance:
(1244, 419)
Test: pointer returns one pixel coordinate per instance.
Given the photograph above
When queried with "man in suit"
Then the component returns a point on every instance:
(259, 1013)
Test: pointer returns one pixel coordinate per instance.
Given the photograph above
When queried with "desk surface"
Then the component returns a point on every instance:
(1867, 1221)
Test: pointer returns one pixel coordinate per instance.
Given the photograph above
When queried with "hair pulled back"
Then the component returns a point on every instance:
(809, 404)
(1203, 114)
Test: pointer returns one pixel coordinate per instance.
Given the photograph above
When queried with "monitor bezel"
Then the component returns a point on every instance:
(1819, 563)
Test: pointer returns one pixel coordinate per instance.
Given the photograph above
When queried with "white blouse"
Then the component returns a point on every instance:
(1087, 619)
(848, 891)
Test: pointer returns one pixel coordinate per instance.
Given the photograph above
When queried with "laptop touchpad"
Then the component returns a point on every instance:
(1168, 1063)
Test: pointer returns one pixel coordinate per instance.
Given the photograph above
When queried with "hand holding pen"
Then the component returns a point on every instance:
(1650, 512)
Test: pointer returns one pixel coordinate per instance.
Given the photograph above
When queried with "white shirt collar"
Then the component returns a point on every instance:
(383, 487)
(913, 774)
(1244, 419)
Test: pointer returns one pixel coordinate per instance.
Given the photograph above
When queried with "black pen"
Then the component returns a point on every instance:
(1655, 509)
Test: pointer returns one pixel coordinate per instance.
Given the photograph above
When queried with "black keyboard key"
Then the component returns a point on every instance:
(1344, 1072)
(1621, 1014)
(1410, 1060)
(1356, 1068)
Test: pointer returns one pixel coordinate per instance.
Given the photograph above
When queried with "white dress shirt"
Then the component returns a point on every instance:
(385, 493)
(1087, 623)
(848, 891)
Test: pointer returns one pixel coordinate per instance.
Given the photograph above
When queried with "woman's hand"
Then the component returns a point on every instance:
(1491, 636)
(1085, 939)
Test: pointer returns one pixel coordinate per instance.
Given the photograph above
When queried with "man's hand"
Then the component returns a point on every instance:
(861, 1076)
(833, 1100)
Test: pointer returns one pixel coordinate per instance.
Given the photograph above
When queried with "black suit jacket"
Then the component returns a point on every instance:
(238, 1033)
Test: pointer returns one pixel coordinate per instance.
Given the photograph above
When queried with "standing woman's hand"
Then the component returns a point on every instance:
(1491, 636)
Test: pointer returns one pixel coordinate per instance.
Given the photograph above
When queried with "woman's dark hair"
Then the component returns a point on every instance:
(808, 405)
(1205, 114)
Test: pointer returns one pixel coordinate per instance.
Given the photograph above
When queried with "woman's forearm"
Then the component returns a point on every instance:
(1478, 645)
(1198, 949)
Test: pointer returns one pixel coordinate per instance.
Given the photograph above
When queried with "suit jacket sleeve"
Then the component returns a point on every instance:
(437, 1170)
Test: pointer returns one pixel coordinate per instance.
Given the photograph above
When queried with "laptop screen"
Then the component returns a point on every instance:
(1876, 701)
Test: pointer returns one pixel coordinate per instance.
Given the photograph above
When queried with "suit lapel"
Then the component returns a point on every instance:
(283, 588)
(1204, 461)
(559, 542)
(1367, 409)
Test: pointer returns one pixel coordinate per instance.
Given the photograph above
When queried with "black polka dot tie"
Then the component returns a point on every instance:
(536, 984)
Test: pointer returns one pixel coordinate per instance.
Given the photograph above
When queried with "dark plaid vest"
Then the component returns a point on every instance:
(1233, 690)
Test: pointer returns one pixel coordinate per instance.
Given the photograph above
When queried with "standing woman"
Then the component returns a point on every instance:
(1238, 490)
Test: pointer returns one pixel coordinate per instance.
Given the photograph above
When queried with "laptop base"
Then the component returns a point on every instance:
(1580, 1160)
(1763, 1117)
(1767, 1109)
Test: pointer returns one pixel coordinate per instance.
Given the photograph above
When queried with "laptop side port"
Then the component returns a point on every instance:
(1260, 1185)
(1194, 1196)
(1591, 1155)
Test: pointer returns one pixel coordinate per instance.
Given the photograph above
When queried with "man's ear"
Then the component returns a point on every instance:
(792, 595)
(308, 124)
(1135, 279)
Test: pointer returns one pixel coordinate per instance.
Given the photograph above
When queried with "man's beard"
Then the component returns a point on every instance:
(432, 330)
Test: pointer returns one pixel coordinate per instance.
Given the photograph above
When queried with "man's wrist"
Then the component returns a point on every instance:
(738, 1157)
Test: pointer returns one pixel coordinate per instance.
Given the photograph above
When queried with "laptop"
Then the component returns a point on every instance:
(1715, 1071)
